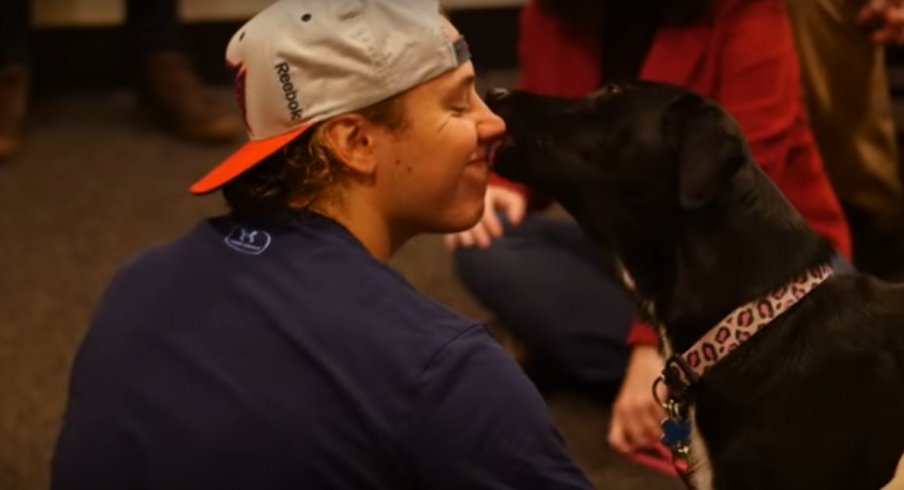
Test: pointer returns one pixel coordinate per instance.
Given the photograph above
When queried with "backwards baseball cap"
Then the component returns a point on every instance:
(298, 63)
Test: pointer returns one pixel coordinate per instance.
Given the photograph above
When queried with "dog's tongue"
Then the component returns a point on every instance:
(496, 147)
(491, 153)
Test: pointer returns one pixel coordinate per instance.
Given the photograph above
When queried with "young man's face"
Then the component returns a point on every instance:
(438, 165)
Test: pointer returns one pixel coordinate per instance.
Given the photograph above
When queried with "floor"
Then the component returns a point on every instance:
(95, 185)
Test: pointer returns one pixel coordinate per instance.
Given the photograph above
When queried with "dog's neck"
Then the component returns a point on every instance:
(702, 296)
(720, 265)
(735, 262)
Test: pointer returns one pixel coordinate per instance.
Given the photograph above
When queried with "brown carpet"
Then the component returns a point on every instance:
(92, 187)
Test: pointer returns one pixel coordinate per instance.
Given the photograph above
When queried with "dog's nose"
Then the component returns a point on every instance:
(497, 94)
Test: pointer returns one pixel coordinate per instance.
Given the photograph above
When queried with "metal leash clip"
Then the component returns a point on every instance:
(676, 431)
(660, 380)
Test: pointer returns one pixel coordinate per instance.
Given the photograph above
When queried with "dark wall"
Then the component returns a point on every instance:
(98, 58)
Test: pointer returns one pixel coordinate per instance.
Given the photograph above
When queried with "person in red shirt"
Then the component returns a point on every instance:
(539, 276)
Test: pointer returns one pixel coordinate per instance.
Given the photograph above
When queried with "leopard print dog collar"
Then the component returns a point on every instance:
(682, 371)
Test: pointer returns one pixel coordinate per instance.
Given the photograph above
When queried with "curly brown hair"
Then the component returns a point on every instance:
(302, 172)
(586, 15)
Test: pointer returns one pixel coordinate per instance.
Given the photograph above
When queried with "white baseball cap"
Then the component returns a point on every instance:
(300, 62)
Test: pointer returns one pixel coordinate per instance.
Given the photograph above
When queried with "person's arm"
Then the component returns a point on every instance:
(642, 334)
(479, 423)
(759, 80)
(636, 416)
(759, 84)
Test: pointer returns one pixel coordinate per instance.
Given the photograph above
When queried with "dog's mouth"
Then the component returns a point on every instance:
(498, 148)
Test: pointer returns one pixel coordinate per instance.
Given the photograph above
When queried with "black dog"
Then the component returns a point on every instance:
(663, 179)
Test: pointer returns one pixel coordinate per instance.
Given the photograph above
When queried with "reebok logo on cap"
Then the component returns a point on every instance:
(289, 91)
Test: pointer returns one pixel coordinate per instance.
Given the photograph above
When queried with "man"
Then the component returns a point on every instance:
(273, 347)
(168, 87)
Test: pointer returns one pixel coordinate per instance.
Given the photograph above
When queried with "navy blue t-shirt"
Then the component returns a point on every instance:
(283, 356)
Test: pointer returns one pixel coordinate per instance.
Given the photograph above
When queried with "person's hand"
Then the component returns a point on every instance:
(489, 228)
(636, 417)
(897, 481)
(886, 18)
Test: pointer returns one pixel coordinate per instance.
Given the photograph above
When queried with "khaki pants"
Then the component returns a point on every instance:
(848, 99)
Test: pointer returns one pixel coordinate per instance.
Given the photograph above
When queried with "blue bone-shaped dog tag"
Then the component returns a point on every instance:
(675, 434)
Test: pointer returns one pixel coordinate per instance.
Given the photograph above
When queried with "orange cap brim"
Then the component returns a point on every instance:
(243, 160)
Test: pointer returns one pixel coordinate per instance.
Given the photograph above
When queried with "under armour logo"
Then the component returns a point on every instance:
(247, 236)
(248, 241)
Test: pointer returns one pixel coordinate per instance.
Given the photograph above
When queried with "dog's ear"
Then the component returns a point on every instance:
(709, 145)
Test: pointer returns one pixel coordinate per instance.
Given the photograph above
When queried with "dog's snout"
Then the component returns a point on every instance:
(497, 94)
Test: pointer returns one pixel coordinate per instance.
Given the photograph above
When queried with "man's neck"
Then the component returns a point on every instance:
(365, 222)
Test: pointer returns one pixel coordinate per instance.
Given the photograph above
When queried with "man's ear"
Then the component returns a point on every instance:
(351, 138)
(709, 145)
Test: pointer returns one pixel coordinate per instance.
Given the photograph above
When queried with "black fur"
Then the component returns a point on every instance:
(663, 179)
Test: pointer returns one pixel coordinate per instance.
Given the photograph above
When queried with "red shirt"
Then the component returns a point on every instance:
(743, 57)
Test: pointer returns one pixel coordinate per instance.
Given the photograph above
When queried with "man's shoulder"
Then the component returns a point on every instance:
(315, 277)
(225, 246)
(166, 255)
